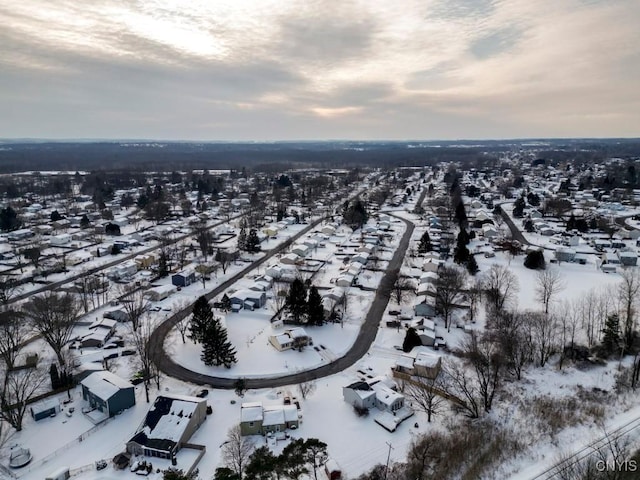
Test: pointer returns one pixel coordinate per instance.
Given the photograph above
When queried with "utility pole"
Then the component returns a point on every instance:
(386, 468)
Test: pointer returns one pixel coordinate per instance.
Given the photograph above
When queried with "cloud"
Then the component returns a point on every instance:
(268, 69)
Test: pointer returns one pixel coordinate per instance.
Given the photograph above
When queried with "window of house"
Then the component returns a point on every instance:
(251, 424)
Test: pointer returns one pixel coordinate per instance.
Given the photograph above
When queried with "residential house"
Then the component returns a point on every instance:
(291, 338)
(248, 299)
(258, 419)
(628, 258)
(290, 259)
(564, 254)
(184, 278)
(169, 423)
(419, 362)
(160, 292)
(379, 392)
(108, 393)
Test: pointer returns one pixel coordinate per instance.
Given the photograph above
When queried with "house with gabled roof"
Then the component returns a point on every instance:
(259, 419)
(168, 425)
(108, 393)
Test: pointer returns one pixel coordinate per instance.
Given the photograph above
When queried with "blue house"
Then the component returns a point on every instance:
(108, 393)
(184, 278)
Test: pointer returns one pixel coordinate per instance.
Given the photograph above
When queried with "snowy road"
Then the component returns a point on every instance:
(364, 340)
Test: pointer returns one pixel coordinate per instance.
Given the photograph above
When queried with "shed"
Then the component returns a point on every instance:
(45, 409)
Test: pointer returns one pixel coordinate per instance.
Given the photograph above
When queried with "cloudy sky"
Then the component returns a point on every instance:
(314, 69)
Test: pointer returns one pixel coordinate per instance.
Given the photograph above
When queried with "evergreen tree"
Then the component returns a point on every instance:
(461, 254)
(535, 260)
(296, 303)
(411, 339)
(262, 464)
(315, 310)
(202, 316)
(84, 222)
(461, 215)
(55, 377)
(9, 219)
(252, 243)
(355, 214)
(226, 303)
(518, 207)
(225, 473)
(242, 239)
(611, 334)
(425, 243)
(472, 265)
(571, 223)
(216, 349)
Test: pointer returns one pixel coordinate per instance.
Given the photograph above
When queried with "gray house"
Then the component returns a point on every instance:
(169, 424)
(184, 278)
(248, 299)
(108, 393)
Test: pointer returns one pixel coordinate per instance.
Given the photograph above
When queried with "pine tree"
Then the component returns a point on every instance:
(315, 310)
(216, 349)
(242, 239)
(411, 339)
(611, 331)
(252, 243)
(226, 303)
(296, 303)
(202, 316)
(461, 254)
(425, 243)
(472, 265)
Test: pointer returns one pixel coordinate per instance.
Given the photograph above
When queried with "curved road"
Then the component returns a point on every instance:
(363, 341)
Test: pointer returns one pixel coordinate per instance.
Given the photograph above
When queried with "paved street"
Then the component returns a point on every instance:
(365, 338)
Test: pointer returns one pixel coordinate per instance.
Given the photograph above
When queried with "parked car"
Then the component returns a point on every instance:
(203, 393)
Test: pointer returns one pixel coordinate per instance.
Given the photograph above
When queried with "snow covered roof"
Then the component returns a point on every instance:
(251, 412)
(104, 384)
(427, 359)
(273, 416)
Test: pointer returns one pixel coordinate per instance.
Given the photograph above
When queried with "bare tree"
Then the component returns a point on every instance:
(306, 389)
(140, 339)
(474, 296)
(13, 333)
(461, 385)
(278, 295)
(628, 290)
(549, 283)
(9, 288)
(447, 290)
(501, 286)
(587, 308)
(53, 316)
(134, 303)
(401, 286)
(514, 335)
(426, 395)
(544, 329)
(183, 324)
(204, 239)
(484, 355)
(17, 388)
(236, 451)
(224, 258)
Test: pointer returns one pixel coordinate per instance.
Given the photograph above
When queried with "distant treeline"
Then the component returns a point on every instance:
(167, 156)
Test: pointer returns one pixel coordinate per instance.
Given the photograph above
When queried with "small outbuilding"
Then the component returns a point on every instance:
(45, 409)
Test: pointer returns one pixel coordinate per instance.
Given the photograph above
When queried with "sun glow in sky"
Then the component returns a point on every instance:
(314, 69)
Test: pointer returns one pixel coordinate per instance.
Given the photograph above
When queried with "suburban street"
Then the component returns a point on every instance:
(365, 337)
